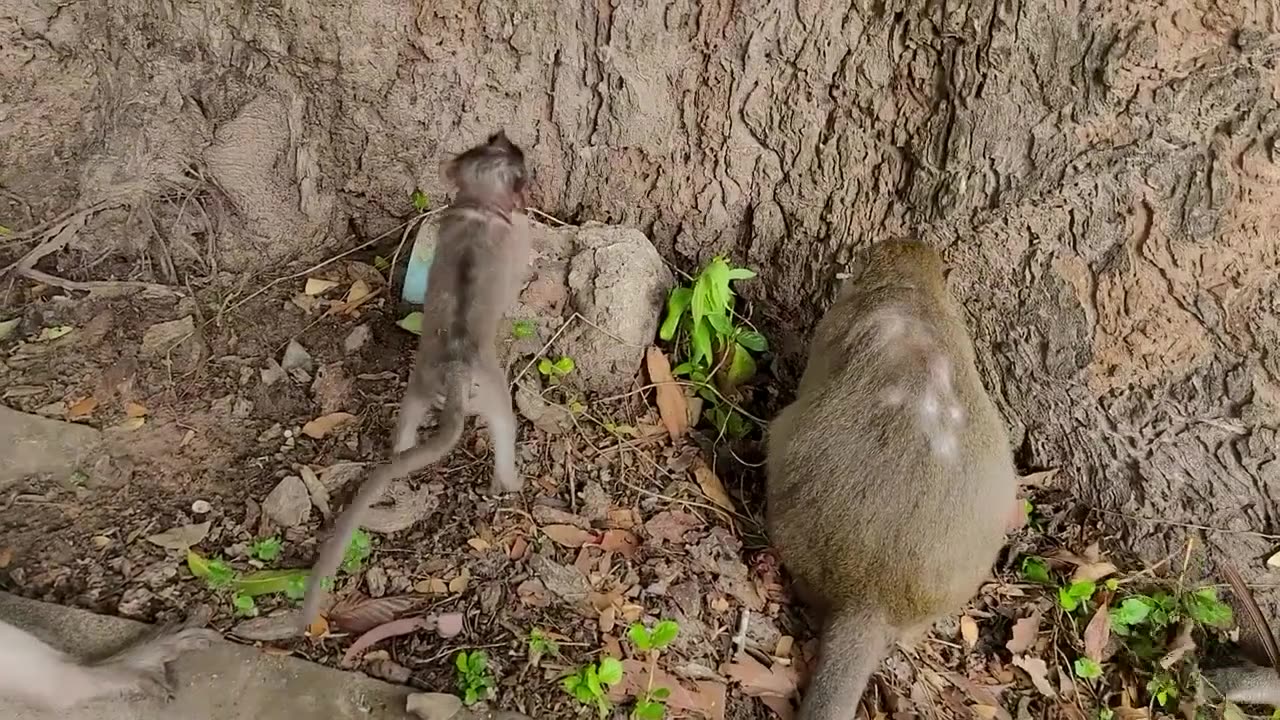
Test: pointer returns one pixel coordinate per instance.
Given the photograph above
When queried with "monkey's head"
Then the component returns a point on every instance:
(898, 262)
(493, 172)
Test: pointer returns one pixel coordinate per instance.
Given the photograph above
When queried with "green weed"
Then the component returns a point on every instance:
(474, 680)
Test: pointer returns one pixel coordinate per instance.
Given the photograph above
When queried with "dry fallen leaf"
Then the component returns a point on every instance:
(395, 628)
(318, 627)
(317, 286)
(6, 557)
(359, 290)
(181, 538)
(760, 681)
(131, 424)
(326, 424)
(969, 631)
(705, 697)
(133, 409)
(1097, 633)
(1038, 479)
(1093, 571)
(82, 408)
(567, 535)
(479, 544)
(459, 584)
(671, 525)
(623, 542)
(1274, 560)
(1181, 645)
(1024, 634)
(711, 485)
(672, 405)
(359, 614)
(1038, 671)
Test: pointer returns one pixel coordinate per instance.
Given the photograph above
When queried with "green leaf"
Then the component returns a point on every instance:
(571, 683)
(683, 368)
(593, 681)
(470, 697)
(267, 582)
(358, 550)
(544, 366)
(610, 672)
(1036, 570)
(521, 329)
(381, 264)
(677, 303)
(1087, 668)
(701, 340)
(741, 274)
(741, 367)
(717, 276)
(4, 230)
(411, 322)
(753, 341)
(660, 693)
(648, 710)
(564, 366)
(420, 200)
(1205, 608)
(1132, 611)
(267, 549)
(460, 661)
(583, 694)
(477, 662)
(297, 587)
(1075, 594)
(639, 636)
(663, 633)
(244, 605)
(216, 572)
(721, 323)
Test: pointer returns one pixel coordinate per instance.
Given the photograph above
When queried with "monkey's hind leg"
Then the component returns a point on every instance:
(495, 408)
(418, 399)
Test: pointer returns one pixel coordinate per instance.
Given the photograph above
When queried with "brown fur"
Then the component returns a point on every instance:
(891, 479)
(475, 276)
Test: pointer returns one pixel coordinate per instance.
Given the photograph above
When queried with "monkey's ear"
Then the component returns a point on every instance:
(499, 137)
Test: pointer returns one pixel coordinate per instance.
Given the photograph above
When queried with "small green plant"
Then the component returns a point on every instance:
(216, 573)
(521, 329)
(1164, 688)
(1087, 668)
(267, 549)
(652, 704)
(541, 644)
(359, 550)
(1076, 595)
(420, 200)
(589, 685)
(1035, 569)
(244, 605)
(554, 372)
(474, 680)
(381, 264)
(718, 350)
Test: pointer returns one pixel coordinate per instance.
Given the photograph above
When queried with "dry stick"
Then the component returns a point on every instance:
(96, 285)
(552, 218)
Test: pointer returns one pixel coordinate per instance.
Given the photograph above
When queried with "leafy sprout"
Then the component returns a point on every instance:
(474, 680)
(420, 200)
(717, 348)
(521, 329)
(555, 371)
(267, 549)
(1035, 569)
(359, 550)
(541, 644)
(589, 684)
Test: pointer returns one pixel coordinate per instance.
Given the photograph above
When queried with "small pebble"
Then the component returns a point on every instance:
(201, 507)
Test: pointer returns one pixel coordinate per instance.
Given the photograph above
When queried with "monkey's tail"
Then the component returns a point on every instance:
(853, 644)
(448, 430)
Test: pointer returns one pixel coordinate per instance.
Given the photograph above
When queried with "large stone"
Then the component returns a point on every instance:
(611, 276)
(35, 445)
(289, 504)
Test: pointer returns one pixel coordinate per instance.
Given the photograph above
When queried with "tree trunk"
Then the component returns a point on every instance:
(1101, 176)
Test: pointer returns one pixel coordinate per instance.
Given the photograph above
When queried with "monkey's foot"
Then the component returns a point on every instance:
(504, 483)
(143, 668)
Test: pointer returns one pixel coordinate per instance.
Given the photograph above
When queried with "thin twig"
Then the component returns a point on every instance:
(541, 214)
(102, 286)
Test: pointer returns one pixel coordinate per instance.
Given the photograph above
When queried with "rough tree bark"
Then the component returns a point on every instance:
(1102, 175)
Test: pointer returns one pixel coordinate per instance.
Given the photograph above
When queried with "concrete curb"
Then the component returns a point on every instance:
(225, 682)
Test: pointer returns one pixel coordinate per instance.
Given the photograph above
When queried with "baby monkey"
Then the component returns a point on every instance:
(36, 674)
(890, 477)
(480, 261)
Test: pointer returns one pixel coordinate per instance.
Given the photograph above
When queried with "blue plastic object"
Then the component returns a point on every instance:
(415, 276)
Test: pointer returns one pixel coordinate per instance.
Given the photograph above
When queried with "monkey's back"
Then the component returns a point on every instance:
(473, 278)
(867, 503)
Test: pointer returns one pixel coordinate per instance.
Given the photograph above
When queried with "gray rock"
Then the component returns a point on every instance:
(161, 337)
(272, 373)
(296, 357)
(356, 339)
(35, 445)
(289, 504)
(549, 417)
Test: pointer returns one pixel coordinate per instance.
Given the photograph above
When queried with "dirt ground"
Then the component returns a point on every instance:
(618, 524)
